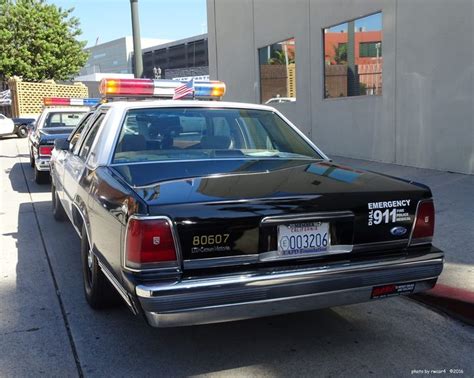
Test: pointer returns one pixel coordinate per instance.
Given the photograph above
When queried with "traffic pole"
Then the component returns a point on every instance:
(137, 43)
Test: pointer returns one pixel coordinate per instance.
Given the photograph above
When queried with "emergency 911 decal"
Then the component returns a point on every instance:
(388, 212)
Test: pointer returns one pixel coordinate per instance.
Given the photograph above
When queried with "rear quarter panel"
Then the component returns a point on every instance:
(110, 203)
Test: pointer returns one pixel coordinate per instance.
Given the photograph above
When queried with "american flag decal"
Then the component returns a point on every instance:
(184, 90)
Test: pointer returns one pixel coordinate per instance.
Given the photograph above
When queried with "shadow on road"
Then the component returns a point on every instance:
(18, 183)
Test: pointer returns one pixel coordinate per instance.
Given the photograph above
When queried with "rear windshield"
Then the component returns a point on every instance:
(63, 119)
(207, 133)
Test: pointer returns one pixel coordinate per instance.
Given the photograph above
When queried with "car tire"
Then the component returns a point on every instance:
(32, 160)
(98, 291)
(41, 177)
(58, 210)
(22, 131)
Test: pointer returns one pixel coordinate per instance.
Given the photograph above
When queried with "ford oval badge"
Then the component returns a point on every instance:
(398, 231)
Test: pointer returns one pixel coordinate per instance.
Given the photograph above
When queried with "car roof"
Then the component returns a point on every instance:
(142, 104)
(79, 109)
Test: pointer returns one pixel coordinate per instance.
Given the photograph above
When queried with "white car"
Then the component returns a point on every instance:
(279, 100)
(8, 127)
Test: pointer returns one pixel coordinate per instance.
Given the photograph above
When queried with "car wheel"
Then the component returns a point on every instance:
(22, 131)
(41, 177)
(58, 209)
(98, 290)
(32, 160)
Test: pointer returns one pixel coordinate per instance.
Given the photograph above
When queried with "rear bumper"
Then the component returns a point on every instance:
(270, 292)
(42, 164)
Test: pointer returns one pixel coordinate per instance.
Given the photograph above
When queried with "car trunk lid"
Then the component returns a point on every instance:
(240, 215)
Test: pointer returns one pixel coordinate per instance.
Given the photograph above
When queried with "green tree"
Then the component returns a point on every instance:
(278, 57)
(340, 53)
(38, 41)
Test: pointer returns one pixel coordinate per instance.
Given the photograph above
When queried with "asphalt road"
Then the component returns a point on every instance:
(46, 327)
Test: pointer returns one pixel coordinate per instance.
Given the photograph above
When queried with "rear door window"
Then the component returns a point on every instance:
(92, 133)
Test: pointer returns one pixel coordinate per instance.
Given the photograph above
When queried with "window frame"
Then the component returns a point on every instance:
(323, 41)
(82, 124)
(99, 122)
(260, 71)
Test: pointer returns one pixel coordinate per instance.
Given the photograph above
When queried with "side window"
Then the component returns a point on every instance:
(74, 137)
(90, 137)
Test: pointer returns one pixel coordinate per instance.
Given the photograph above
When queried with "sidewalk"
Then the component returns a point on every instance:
(33, 334)
(454, 233)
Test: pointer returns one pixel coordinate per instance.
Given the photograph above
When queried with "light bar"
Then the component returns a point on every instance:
(159, 88)
(209, 89)
(60, 101)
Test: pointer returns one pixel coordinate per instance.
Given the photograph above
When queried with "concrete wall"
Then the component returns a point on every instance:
(424, 117)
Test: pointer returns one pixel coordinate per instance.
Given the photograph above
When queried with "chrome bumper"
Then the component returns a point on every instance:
(202, 300)
(42, 164)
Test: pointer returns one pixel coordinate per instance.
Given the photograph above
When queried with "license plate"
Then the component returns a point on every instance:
(303, 238)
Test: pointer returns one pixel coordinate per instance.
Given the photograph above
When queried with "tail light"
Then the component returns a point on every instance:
(45, 150)
(149, 244)
(423, 228)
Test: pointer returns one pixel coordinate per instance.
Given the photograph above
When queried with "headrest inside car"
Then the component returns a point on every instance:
(166, 125)
(215, 142)
(133, 143)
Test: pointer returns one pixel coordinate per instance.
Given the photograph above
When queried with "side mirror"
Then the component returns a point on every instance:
(61, 144)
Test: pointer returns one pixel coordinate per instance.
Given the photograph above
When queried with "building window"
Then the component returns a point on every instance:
(370, 49)
(277, 63)
(353, 58)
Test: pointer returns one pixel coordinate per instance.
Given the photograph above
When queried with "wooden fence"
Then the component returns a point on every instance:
(27, 98)
(368, 77)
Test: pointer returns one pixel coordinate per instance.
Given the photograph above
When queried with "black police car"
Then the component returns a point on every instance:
(205, 211)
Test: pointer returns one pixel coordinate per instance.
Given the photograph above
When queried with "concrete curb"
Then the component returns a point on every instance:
(459, 303)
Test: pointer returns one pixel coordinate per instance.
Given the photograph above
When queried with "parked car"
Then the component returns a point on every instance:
(204, 211)
(15, 126)
(24, 123)
(279, 100)
(54, 122)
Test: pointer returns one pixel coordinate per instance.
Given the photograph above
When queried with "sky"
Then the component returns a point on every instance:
(370, 23)
(161, 19)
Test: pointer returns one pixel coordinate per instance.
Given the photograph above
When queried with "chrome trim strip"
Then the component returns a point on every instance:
(280, 219)
(175, 268)
(275, 277)
(83, 219)
(220, 261)
(120, 289)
